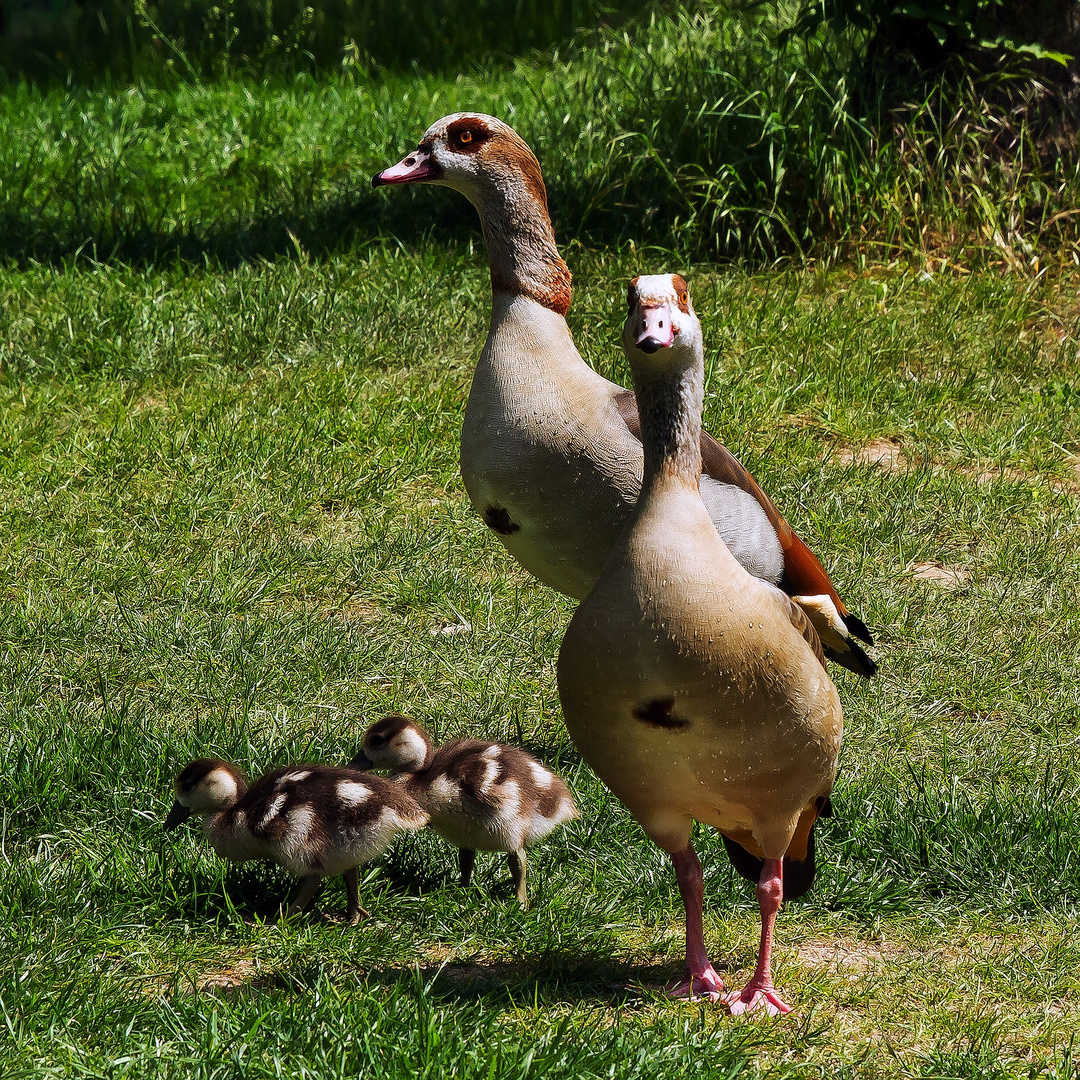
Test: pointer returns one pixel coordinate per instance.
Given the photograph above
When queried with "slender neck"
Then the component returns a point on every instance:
(670, 405)
(522, 253)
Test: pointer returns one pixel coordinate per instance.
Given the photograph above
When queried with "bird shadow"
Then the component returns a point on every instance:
(546, 979)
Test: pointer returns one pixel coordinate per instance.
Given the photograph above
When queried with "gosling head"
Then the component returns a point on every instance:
(660, 317)
(205, 787)
(395, 743)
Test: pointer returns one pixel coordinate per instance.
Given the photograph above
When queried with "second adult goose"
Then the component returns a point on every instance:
(480, 795)
(551, 451)
(697, 692)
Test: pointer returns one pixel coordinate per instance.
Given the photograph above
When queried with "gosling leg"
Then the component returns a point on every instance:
(305, 893)
(353, 911)
(466, 858)
(516, 859)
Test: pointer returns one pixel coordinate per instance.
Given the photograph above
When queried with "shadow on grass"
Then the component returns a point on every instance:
(357, 220)
(256, 891)
(545, 979)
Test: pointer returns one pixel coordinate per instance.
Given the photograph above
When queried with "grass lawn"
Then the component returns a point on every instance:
(233, 525)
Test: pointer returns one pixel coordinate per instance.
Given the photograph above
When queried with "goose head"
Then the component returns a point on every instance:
(395, 743)
(205, 787)
(475, 154)
(660, 317)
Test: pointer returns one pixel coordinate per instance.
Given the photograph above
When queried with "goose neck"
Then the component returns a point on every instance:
(670, 405)
(522, 252)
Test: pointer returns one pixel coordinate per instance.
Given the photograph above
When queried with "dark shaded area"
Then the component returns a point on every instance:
(908, 46)
(90, 41)
(358, 218)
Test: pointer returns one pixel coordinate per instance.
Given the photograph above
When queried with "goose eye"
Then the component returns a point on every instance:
(465, 137)
(684, 299)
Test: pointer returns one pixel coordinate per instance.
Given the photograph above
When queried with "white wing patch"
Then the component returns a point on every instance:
(541, 776)
(445, 789)
(300, 822)
(491, 770)
(353, 793)
(294, 777)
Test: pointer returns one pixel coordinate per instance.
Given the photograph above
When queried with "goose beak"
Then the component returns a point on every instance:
(177, 814)
(655, 329)
(414, 168)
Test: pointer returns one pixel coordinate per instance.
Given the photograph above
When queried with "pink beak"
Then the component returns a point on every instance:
(414, 168)
(655, 330)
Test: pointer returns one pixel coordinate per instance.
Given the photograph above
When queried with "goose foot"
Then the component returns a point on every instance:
(704, 985)
(759, 992)
(752, 997)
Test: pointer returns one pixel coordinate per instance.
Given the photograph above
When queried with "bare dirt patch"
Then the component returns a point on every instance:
(988, 474)
(947, 577)
(149, 402)
(851, 958)
(886, 454)
(229, 979)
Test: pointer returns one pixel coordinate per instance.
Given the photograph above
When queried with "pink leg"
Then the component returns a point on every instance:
(701, 980)
(759, 991)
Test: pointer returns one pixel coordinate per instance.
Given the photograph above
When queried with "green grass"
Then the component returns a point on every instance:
(232, 378)
(232, 520)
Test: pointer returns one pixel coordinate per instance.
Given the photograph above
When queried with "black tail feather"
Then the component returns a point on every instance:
(854, 659)
(858, 628)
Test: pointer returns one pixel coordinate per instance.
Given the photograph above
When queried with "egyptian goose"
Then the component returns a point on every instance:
(551, 451)
(311, 819)
(695, 690)
(479, 795)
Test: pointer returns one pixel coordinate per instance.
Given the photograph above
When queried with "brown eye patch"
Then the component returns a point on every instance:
(682, 293)
(467, 135)
(631, 294)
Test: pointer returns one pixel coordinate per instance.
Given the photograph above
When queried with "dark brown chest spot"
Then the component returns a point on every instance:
(497, 518)
(660, 712)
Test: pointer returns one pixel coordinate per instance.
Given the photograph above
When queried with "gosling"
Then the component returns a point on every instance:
(313, 820)
(480, 796)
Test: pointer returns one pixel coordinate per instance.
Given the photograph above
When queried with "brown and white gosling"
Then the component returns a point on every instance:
(313, 820)
(479, 795)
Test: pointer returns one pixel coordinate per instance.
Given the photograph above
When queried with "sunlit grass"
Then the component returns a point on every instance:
(232, 522)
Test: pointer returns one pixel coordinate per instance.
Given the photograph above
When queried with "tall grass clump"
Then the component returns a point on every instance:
(702, 129)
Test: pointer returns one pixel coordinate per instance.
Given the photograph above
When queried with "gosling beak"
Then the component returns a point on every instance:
(361, 762)
(414, 168)
(177, 814)
(655, 329)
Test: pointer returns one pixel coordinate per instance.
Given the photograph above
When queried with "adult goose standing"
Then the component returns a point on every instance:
(314, 820)
(482, 796)
(551, 451)
(695, 690)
